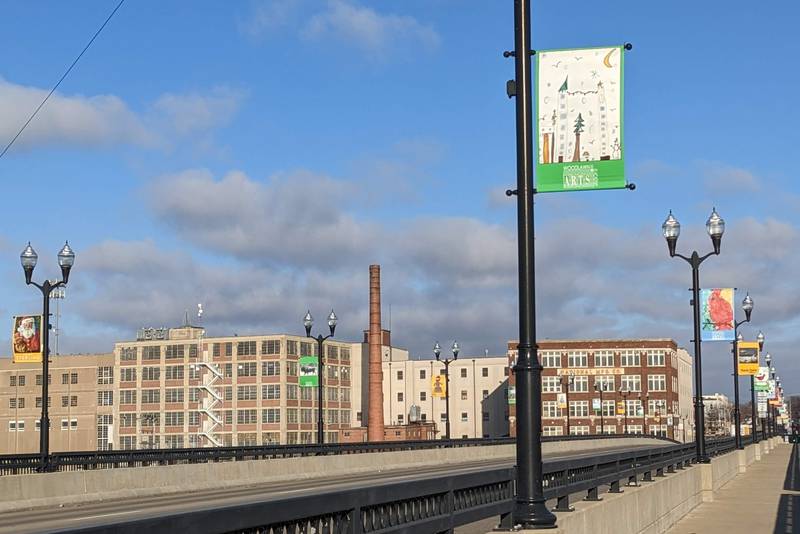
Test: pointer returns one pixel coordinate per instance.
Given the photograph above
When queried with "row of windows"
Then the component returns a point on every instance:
(423, 373)
(19, 426)
(423, 395)
(243, 393)
(243, 417)
(580, 384)
(633, 408)
(105, 375)
(602, 358)
(246, 369)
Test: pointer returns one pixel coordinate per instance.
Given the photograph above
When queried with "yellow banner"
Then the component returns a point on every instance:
(26, 339)
(620, 407)
(747, 357)
(438, 386)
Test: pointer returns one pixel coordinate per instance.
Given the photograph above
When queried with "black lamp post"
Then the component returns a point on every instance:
(624, 394)
(599, 389)
(753, 419)
(28, 258)
(530, 509)
(770, 375)
(437, 351)
(747, 306)
(643, 401)
(308, 322)
(567, 381)
(672, 229)
(770, 408)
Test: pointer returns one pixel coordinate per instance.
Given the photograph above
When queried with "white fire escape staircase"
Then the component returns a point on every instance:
(211, 420)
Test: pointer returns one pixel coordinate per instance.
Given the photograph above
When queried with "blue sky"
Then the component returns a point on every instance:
(258, 156)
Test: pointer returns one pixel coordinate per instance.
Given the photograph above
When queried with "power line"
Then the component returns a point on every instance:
(53, 90)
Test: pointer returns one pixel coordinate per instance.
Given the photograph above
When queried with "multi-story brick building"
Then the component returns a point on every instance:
(180, 389)
(612, 386)
(81, 399)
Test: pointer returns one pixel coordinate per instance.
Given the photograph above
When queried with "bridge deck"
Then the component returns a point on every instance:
(763, 500)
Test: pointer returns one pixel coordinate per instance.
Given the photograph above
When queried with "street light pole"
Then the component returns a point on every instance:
(28, 259)
(599, 389)
(747, 306)
(715, 227)
(437, 351)
(624, 394)
(530, 509)
(753, 421)
(569, 382)
(308, 322)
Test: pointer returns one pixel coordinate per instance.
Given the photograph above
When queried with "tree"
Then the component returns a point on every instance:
(576, 156)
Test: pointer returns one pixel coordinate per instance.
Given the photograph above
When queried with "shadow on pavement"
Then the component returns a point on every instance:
(788, 517)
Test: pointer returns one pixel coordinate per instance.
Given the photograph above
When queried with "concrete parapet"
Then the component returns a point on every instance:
(74, 487)
(654, 507)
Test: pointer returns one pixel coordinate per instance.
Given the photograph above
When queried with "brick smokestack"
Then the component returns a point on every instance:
(375, 416)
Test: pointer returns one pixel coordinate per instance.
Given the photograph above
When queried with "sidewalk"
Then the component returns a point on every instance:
(764, 500)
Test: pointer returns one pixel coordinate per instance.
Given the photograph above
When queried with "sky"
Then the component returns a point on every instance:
(258, 156)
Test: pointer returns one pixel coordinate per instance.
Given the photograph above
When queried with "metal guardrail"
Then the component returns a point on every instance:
(72, 461)
(435, 504)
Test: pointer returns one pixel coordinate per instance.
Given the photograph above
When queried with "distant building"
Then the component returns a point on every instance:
(718, 414)
(82, 396)
(645, 383)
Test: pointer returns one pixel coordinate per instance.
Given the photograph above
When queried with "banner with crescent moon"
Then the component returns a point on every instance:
(579, 123)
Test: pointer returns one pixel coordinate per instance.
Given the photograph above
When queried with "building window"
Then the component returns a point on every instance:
(550, 409)
(484, 371)
(127, 420)
(656, 382)
(333, 372)
(443, 417)
(194, 372)
(630, 358)
(246, 393)
(151, 396)
(399, 375)
(127, 354)
(551, 384)
(151, 373)
(631, 382)
(603, 358)
(422, 374)
(551, 359)
(271, 368)
(227, 393)
(105, 398)
(246, 417)
(400, 396)
(553, 431)
(229, 349)
(291, 368)
(345, 394)
(227, 370)
(291, 347)
(609, 407)
(308, 393)
(192, 351)
(64, 401)
(174, 352)
(291, 391)
(345, 372)
(173, 442)
(194, 394)
(127, 374)
(655, 358)
(423, 396)
(464, 417)
(271, 346)
(65, 378)
(307, 349)
(173, 418)
(464, 373)
(579, 430)
(247, 369)
(333, 352)
(273, 415)
(579, 408)
(151, 353)
(246, 348)
(333, 394)
(104, 422)
(173, 395)
(579, 384)
(127, 396)
(174, 372)
(577, 359)
(634, 408)
(273, 391)
(657, 407)
(604, 383)
(463, 394)
(485, 393)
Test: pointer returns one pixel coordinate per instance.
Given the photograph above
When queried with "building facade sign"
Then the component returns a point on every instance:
(591, 371)
(152, 334)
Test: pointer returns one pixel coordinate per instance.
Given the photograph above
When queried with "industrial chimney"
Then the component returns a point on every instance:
(375, 414)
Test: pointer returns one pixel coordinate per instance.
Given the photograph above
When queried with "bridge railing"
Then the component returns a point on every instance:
(72, 461)
(433, 504)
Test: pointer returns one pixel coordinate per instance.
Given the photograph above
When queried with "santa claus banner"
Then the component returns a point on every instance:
(26, 339)
(716, 314)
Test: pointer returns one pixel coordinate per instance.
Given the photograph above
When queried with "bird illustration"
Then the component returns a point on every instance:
(556, 64)
(578, 58)
(594, 74)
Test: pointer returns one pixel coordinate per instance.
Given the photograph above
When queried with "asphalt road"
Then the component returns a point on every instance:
(108, 512)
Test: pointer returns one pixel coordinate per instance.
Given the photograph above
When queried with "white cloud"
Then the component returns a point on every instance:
(76, 119)
(367, 29)
(722, 178)
(267, 16)
(192, 112)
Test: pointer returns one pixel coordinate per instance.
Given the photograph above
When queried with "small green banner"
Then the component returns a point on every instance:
(579, 119)
(309, 372)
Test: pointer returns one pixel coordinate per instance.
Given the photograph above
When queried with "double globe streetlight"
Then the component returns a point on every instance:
(437, 351)
(715, 227)
(753, 419)
(28, 259)
(747, 307)
(308, 322)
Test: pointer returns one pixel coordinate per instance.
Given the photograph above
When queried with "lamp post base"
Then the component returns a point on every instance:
(533, 515)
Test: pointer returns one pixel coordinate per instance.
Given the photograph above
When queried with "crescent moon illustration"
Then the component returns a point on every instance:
(606, 59)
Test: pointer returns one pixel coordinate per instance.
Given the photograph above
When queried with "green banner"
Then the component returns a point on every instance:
(579, 119)
(309, 372)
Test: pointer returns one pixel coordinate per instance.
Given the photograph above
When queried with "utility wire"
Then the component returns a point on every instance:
(53, 90)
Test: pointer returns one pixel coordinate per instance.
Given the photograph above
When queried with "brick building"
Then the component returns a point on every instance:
(612, 386)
